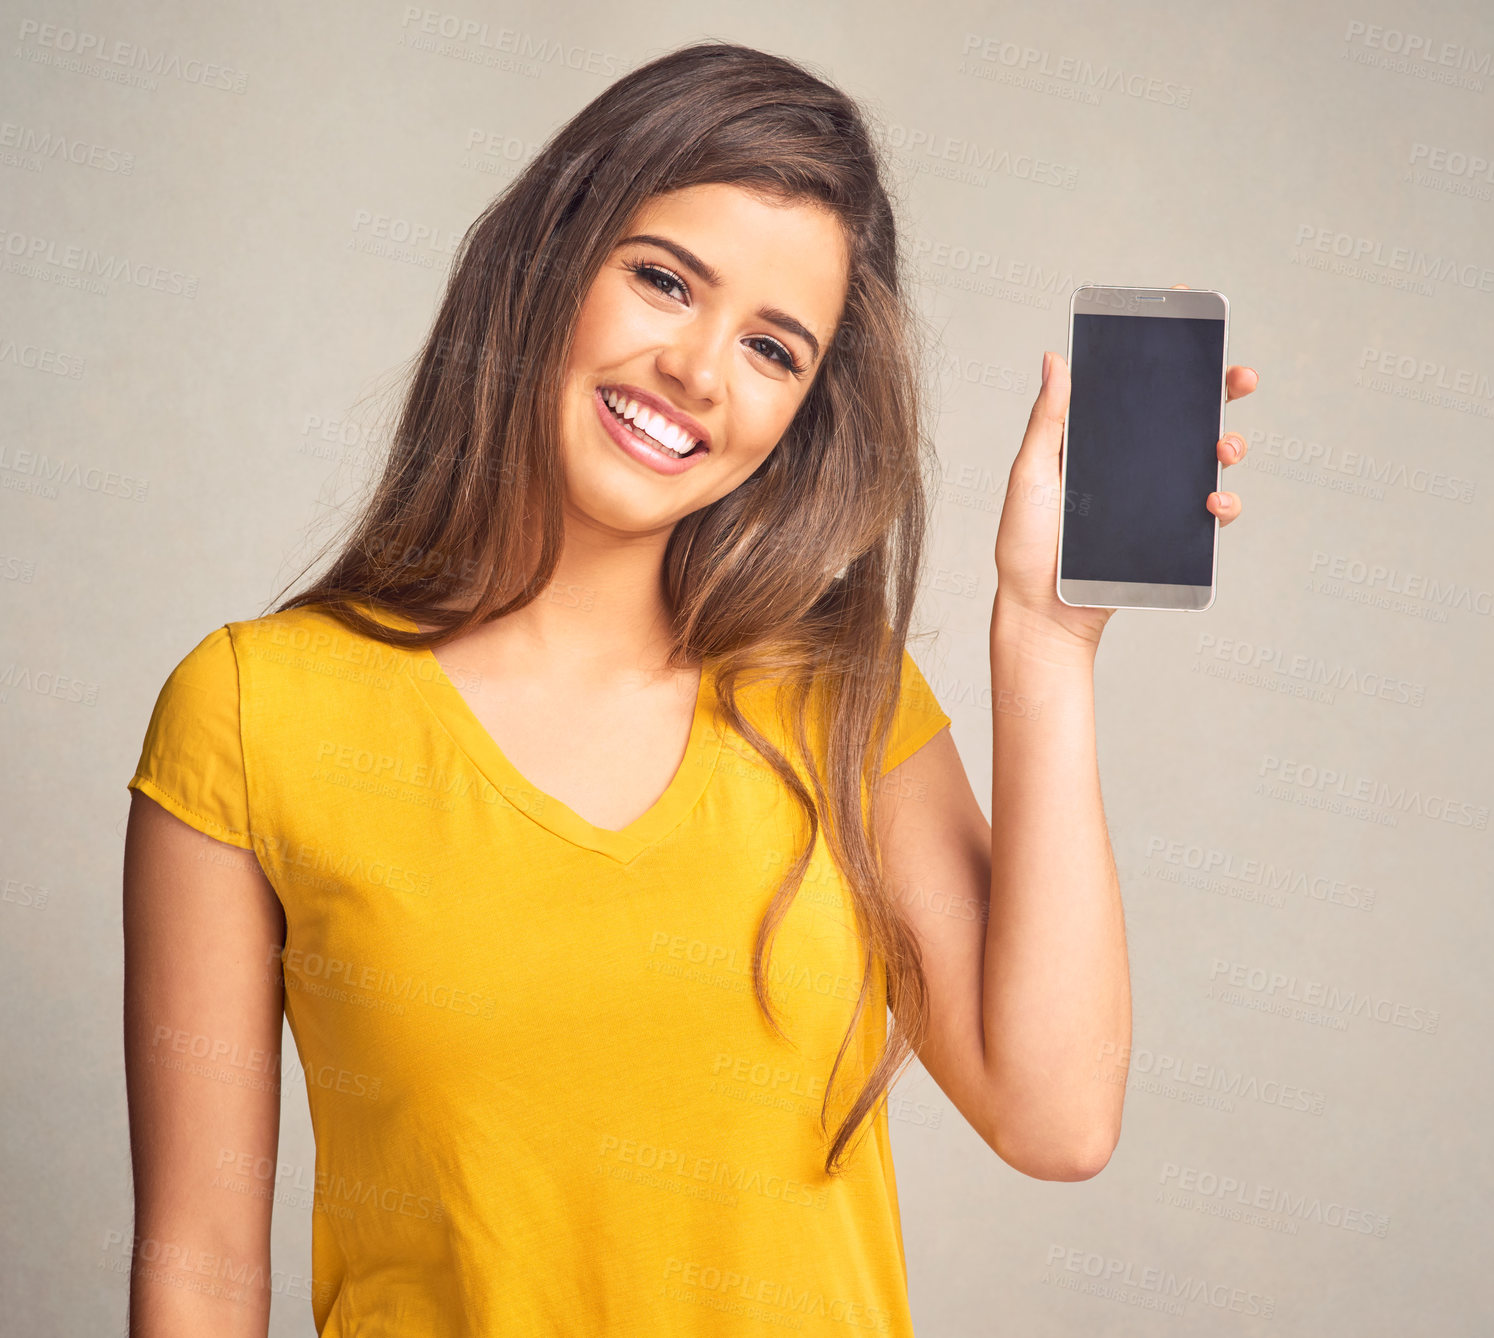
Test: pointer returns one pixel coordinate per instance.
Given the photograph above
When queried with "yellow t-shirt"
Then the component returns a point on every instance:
(545, 1100)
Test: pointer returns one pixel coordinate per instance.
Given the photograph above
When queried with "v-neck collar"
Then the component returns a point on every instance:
(680, 797)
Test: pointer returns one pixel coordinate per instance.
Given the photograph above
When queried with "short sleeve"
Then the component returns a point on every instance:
(192, 761)
(919, 716)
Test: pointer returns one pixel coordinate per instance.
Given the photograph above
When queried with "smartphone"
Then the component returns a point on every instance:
(1140, 448)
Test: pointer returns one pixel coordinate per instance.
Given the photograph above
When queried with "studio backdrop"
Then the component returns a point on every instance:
(223, 232)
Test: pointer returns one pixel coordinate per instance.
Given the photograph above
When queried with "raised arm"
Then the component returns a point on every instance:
(1021, 928)
(202, 1024)
(1020, 920)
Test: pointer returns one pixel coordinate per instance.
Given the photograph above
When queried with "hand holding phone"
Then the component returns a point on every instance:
(1140, 448)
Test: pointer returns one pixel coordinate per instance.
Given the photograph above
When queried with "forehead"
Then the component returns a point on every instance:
(794, 256)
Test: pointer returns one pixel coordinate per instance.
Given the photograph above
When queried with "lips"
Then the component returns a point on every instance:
(639, 445)
(655, 431)
(656, 416)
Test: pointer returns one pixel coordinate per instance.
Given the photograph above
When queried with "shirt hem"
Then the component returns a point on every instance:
(200, 822)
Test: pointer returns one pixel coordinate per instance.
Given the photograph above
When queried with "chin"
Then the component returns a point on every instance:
(611, 495)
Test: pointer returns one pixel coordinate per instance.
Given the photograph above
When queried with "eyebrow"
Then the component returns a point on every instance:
(711, 275)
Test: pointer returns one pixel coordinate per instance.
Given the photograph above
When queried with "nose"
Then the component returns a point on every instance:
(695, 359)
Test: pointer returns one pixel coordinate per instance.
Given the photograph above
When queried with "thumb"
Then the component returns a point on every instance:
(1045, 424)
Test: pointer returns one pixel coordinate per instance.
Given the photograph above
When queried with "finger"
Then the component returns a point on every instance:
(1044, 435)
(1239, 381)
(1225, 505)
(1231, 449)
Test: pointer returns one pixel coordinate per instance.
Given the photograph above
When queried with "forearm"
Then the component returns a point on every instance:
(1056, 981)
(187, 1280)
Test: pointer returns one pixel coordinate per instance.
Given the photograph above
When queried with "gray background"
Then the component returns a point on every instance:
(208, 430)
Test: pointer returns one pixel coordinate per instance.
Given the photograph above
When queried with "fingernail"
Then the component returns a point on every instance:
(1045, 369)
(1222, 500)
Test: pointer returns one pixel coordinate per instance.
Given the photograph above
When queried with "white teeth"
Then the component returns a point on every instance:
(672, 438)
(670, 435)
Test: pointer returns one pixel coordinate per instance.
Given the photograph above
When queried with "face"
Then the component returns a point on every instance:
(714, 319)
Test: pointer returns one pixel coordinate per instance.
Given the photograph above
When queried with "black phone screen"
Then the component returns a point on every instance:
(1141, 448)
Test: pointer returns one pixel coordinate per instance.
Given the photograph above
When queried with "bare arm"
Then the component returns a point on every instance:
(202, 1022)
(1057, 992)
(1021, 928)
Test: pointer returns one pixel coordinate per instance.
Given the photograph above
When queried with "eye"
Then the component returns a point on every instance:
(652, 274)
(779, 353)
(665, 280)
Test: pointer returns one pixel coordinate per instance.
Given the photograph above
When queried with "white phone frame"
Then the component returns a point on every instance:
(1130, 301)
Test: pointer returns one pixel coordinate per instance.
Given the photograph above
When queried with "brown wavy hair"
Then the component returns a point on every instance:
(804, 576)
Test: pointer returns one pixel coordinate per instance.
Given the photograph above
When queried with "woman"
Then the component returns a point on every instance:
(597, 810)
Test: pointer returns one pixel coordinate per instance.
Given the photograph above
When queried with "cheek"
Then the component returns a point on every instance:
(762, 415)
(611, 326)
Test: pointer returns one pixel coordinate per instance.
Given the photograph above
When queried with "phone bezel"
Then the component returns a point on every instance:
(1127, 297)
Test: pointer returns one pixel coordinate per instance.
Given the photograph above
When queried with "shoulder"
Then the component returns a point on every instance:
(191, 759)
(208, 666)
(916, 715)
(915, 696)
(307, 627)
(282, 650)
(307, 659)
(305, 637)
(209, 678)
(196, 712)
(241, 699)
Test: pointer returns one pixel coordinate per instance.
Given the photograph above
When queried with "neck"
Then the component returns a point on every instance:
(604, 612)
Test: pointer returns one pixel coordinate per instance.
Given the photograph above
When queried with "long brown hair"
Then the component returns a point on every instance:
(804, 576)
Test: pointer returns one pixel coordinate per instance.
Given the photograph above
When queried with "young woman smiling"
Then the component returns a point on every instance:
(596, 810)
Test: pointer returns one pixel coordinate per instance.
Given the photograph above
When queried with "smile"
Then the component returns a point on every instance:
(650, 426)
